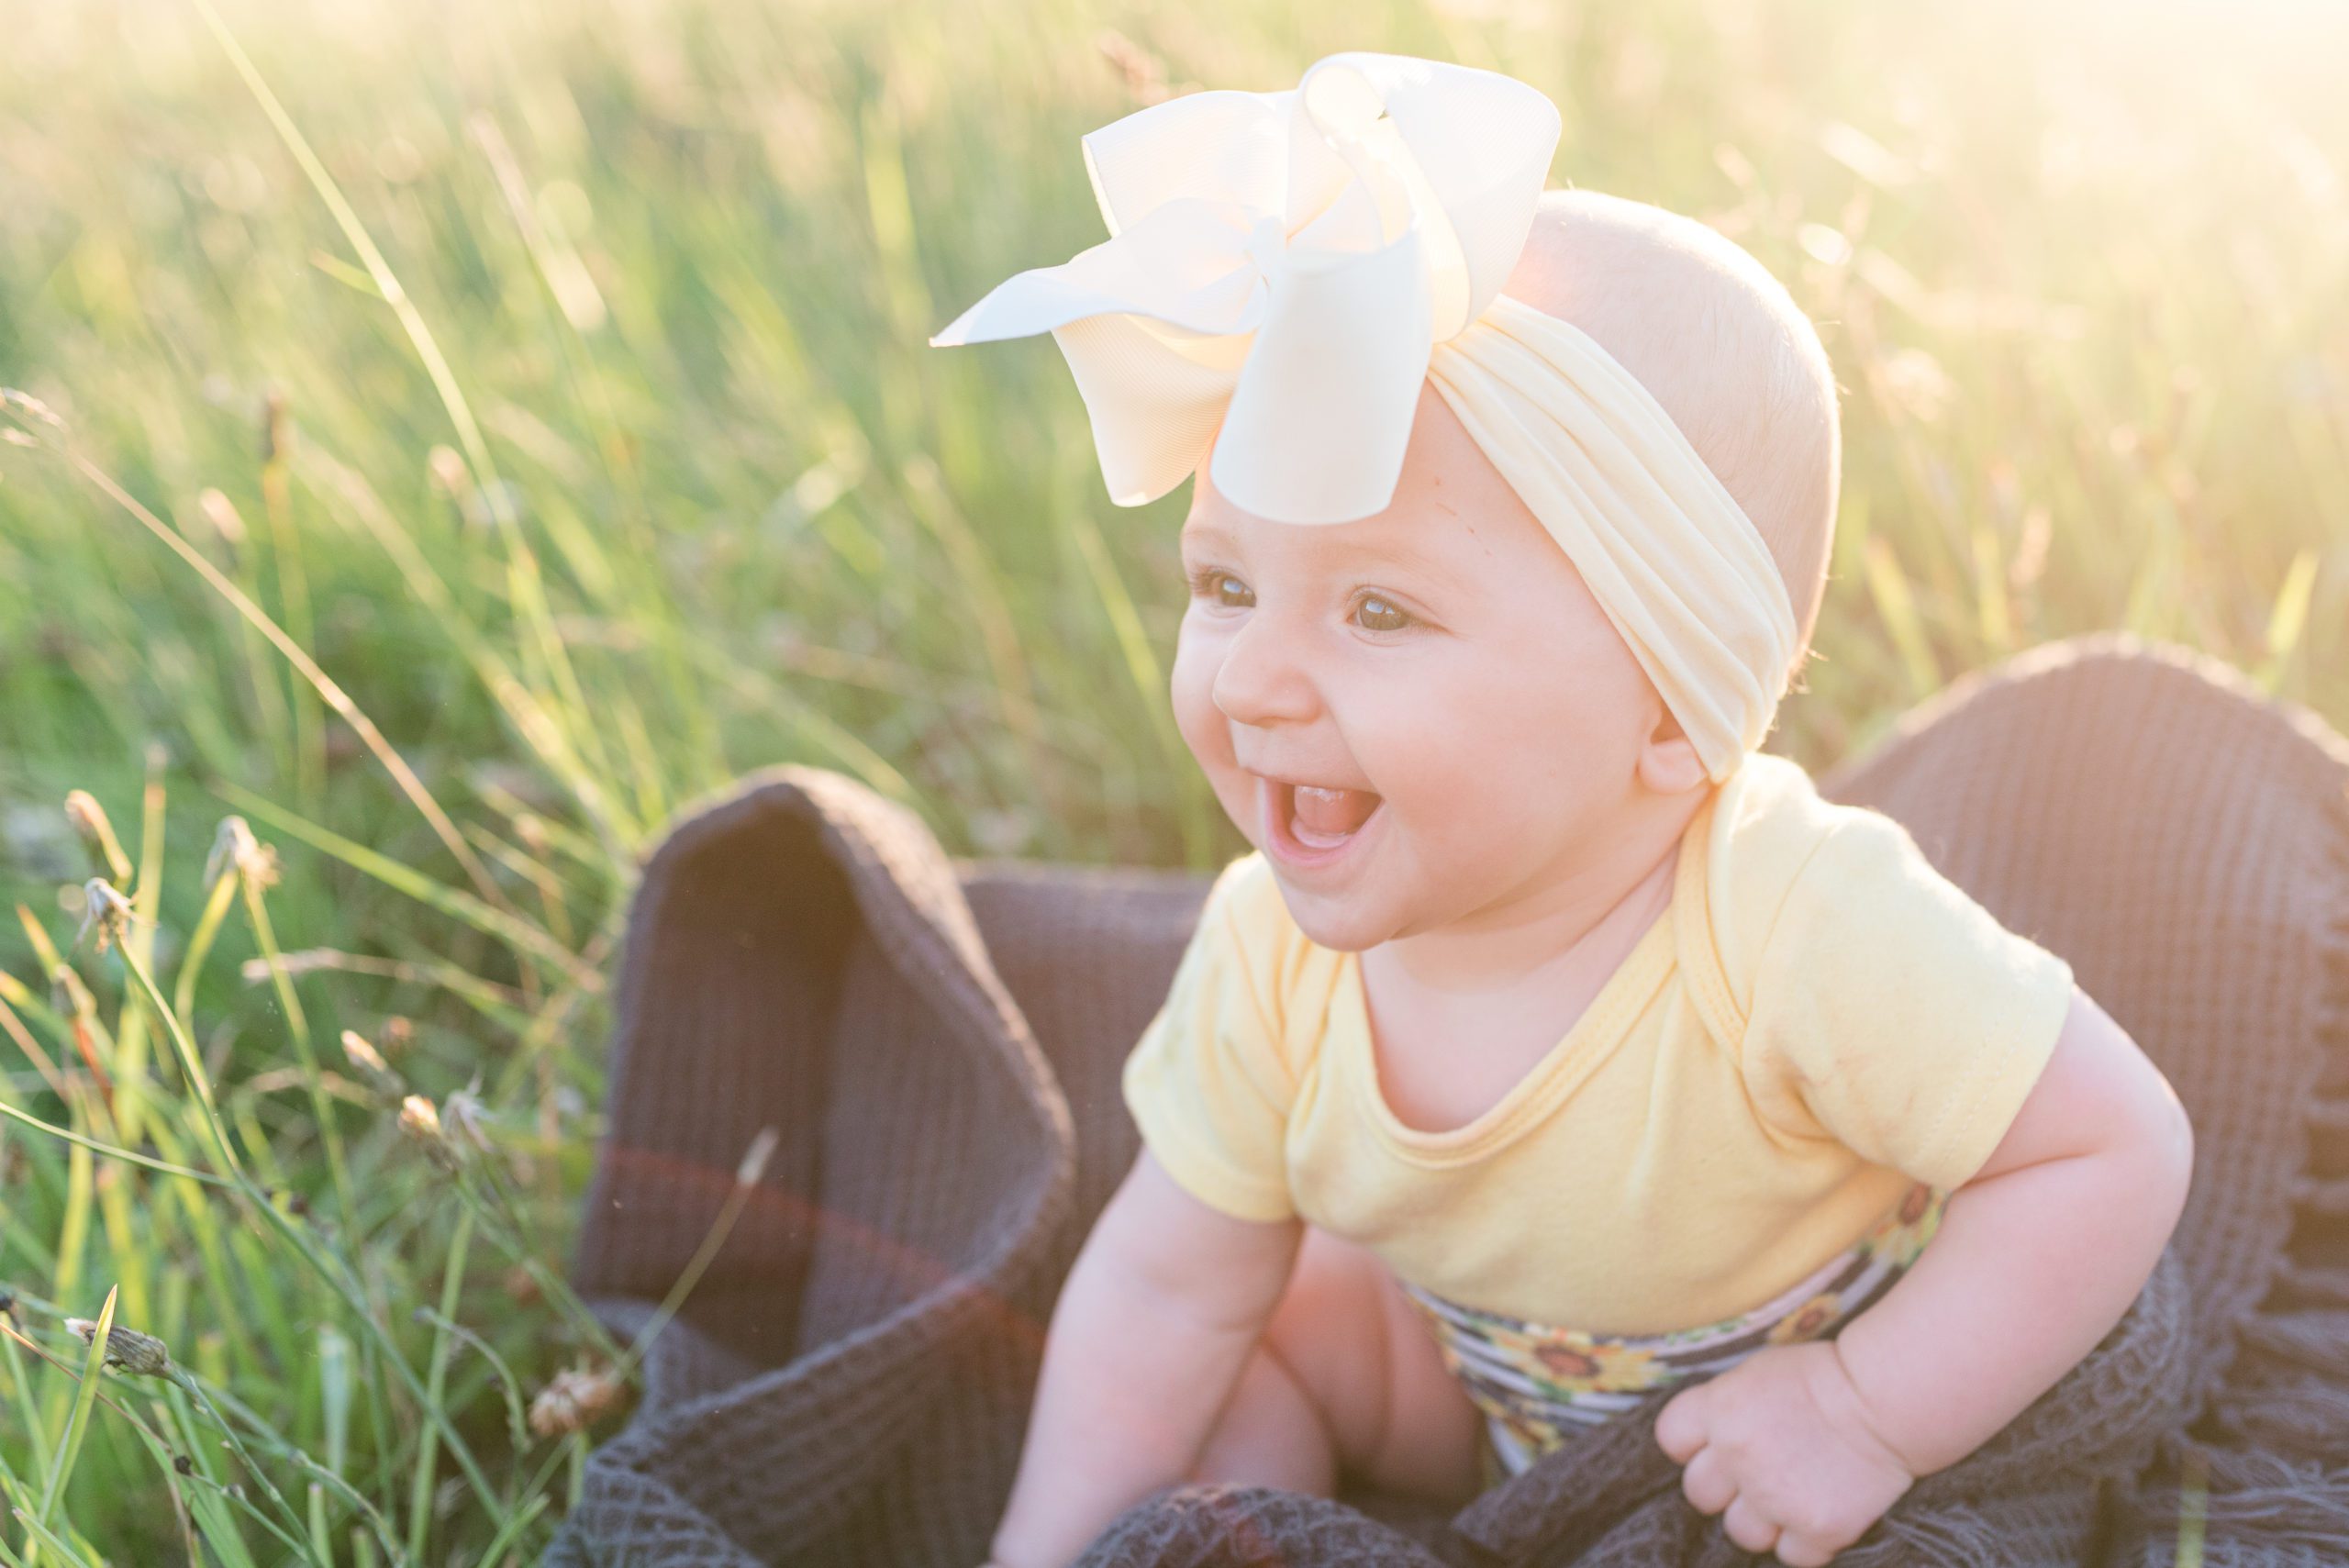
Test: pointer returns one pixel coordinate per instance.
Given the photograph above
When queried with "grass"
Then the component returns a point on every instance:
(451, 439)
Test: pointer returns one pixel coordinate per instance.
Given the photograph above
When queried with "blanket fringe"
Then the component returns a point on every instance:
(2329, 1133)
(2294, 1369)
(2267, 1453)
(2289, 1503)
(2316, 1341)
(2326, 1197)
(2302, 1287)
(2290, 1414)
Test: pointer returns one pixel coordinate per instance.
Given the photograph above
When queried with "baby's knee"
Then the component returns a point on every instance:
(1360, 1355)
(1269, 1433)
(1330, 1333)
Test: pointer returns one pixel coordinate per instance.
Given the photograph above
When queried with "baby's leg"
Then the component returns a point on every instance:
(1347, 1375)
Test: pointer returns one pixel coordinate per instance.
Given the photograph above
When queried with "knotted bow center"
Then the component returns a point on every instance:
(1267, 246)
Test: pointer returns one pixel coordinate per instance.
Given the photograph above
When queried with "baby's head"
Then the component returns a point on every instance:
(1443, 661)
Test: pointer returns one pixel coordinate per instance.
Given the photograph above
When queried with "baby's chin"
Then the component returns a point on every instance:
(1348, 904)
(1343, 919)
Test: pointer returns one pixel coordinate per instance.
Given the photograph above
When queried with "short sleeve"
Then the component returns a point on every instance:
(1207, 1083)
(1893, 1013)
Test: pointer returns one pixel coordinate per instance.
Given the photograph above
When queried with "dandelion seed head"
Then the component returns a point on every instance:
(142, 1355)
(222, 513)
(104, 910)
(574, 1400)
(370, 1065)
(228, 846)
(421, 1122)
(30, 405)
(466, 1118)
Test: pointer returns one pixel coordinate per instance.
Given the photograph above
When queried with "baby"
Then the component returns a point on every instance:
(1554, 1045)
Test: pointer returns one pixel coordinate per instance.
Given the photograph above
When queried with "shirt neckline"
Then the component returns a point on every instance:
(1586, 1043)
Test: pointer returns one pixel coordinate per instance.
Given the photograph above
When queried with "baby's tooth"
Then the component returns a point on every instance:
(1333, 811)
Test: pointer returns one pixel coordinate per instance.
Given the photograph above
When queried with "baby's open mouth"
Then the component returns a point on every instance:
(1324, 818)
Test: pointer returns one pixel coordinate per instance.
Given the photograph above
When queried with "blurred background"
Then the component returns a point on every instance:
(448, 438)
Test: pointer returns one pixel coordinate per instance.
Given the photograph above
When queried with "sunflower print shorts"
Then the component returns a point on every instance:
(1536, 1385)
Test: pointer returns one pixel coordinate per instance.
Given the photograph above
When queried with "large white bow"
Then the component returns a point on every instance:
(1286, 262)
(1298, 264)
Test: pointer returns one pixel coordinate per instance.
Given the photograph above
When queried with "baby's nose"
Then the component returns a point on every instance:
(1262, 680)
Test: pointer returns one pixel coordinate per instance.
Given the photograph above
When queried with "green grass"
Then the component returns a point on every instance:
(481, 429)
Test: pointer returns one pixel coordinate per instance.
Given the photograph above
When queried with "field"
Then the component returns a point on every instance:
(446, 440)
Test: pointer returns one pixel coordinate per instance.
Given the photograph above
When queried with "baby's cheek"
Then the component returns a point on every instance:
(1205, 732)
(1445, 744)
(1193, 709)
(1484, 792)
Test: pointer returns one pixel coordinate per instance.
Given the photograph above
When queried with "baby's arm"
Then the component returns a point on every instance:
(2036, 1258)
(1151, 1331)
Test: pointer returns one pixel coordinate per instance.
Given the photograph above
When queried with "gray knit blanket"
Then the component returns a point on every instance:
(937, 1043)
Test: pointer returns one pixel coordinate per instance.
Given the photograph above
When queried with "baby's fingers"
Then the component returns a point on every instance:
(1707, 1483)
(1812, 1531)
(1805, 1552)
(1748, 1526)
(1680, 1426)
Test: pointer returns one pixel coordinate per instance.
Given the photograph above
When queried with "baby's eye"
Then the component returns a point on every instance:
(1372, 604)
(1208, 584)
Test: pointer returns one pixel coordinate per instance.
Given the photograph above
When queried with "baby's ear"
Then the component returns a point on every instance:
(1668, 762)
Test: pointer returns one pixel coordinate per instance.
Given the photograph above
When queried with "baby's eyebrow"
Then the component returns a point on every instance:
(1411, 558)
(1215, 536)
(1202, 536)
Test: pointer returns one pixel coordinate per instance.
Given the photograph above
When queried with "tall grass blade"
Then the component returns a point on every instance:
(69, 1442)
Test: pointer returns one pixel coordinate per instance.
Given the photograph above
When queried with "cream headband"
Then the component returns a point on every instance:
(1297, 263)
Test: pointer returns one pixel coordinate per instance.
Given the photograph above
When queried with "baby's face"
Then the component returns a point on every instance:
(1442, 657)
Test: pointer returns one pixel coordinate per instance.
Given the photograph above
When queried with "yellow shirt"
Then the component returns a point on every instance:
(1817, 1018)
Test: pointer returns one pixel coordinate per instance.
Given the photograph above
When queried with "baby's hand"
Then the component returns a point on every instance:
(1782, 1442)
